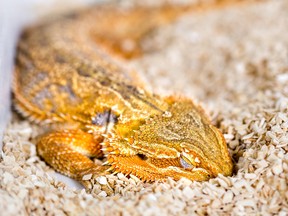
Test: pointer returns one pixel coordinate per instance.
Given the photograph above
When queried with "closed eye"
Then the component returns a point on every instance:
(185, 164)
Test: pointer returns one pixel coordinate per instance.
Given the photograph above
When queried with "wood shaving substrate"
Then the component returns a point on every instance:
(235, 61)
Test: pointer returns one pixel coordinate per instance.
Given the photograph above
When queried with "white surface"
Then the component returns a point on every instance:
(68, 181)
(12, 17)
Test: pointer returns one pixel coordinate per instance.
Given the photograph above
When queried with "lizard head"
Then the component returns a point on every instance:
(182, 142)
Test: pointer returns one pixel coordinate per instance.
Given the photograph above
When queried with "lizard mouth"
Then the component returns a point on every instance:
(152, 169)
(178, 168)
(195, 174)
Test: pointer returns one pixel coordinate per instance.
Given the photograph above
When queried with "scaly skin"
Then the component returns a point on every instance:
(64, 77)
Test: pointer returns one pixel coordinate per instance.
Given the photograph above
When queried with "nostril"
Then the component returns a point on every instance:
(142, 156)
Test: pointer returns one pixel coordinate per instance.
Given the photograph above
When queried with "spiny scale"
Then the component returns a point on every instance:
(65, 76)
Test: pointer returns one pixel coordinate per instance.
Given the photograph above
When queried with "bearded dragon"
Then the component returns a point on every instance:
(66, 77)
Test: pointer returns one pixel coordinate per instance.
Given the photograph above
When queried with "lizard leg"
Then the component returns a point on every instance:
(69, 152)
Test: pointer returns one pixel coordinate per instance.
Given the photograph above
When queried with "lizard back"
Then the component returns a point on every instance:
(64, 73)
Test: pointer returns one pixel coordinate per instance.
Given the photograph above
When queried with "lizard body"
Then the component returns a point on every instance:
(65, 77)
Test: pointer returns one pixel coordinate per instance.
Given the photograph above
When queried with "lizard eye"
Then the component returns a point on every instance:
(185, 164)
